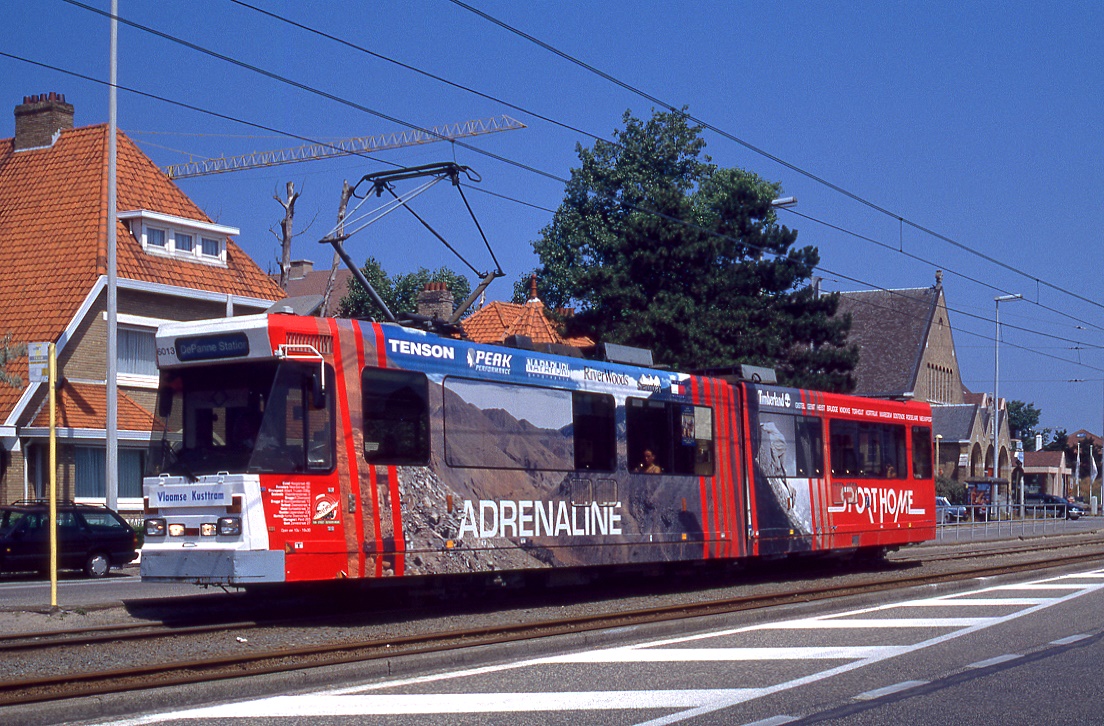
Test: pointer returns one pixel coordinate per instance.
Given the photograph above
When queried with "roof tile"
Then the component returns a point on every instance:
(499, 320)
(53, 236)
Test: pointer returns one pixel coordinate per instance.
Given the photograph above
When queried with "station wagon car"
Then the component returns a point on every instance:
(90, 538)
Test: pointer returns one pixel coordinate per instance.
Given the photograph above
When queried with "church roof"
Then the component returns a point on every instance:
(890, 328)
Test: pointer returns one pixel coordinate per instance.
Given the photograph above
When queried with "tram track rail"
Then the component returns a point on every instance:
(287, 659)
(142, 631)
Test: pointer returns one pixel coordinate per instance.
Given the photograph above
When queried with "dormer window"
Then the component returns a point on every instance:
(165, 235)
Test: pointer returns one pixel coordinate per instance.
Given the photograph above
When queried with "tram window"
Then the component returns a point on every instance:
(594, 424)
(791, 444)
(396, 416)
(492, 425)
(896, 458)
(867, 449)
(284, 432)
(669, 438)
(810, 447)
(320, 434)
(921, 452)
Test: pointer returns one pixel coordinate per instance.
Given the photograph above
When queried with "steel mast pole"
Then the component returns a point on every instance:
(996, 397)
(111, 458)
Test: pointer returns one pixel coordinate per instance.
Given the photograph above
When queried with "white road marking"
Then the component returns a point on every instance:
(978, 601)
(1042, 585)
(866, 623)
(454, 703)
(997, 660)
(677, 655)
(889, 690)
(1070, 639)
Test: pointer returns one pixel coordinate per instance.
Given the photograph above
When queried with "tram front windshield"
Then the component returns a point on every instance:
(264, 417)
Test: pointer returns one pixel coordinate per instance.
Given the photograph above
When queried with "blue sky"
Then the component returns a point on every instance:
(977, 121)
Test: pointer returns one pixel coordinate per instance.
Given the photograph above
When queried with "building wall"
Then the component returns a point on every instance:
(938, 378)
(85, 357)
(11, 481)
(35, 455)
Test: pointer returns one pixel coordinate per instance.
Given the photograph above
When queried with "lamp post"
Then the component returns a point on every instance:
(996, 394)
(938, 465)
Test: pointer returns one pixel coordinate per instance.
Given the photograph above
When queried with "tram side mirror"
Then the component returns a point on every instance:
(318, 391)
(164, 402)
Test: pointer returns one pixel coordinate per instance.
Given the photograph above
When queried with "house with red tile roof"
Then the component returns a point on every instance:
(1047, 472)
(499, 321)
(173, 263)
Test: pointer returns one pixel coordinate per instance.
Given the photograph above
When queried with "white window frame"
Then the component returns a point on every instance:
(141, 221)
(180, 251)
(123, 502)
(135, 380)
(166, 238)
(202, 244)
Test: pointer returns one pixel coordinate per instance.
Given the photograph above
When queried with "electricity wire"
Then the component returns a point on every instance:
(401, 122)
(764, 153)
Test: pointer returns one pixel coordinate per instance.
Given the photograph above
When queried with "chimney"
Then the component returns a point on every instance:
(300, 269)
(435, 301)
(39, 118)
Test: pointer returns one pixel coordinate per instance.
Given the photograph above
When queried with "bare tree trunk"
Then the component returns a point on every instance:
(346, 193)
(286, 233)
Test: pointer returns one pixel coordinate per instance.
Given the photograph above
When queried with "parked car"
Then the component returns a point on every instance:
(1052, 505)
(90, 538)
(947, 512)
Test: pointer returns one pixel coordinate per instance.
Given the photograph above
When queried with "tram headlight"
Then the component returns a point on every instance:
(155, 527)
(229, 526)
(176, 530)
(207, 529)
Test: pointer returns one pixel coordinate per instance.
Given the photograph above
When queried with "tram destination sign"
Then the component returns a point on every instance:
(212, 347)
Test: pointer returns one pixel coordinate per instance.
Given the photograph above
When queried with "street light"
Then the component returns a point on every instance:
(996, 395)
(938, 466)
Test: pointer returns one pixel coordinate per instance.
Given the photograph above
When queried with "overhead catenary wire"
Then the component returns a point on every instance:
(772, 157)
(901, 220)
(863, 283)
(315, 91)
(267, 128)
(419, 71)
(527, 167)
(952, 271)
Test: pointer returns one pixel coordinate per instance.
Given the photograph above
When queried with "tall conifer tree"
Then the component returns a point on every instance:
(655, 246)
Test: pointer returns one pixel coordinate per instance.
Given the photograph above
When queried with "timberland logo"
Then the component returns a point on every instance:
(773, 398)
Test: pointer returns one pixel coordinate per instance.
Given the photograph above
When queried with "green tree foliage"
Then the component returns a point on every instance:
(9, 353)
(400, 292)
(1023, 418)
(955, 491)
(657, 247)
(1057, 442)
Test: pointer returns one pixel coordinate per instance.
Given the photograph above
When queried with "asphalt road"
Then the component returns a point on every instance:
(1006, 652)
(32, 592)
(1010, 652)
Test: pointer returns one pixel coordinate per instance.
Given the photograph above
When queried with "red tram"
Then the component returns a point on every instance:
(292, 448)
